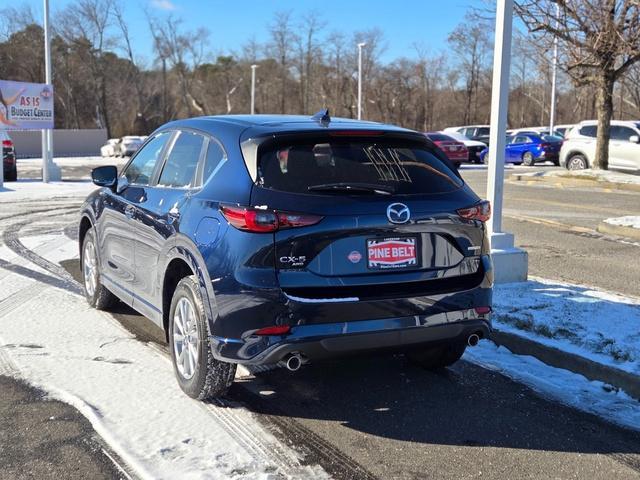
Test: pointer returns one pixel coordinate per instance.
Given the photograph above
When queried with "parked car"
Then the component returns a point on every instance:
(529, 148)
(479, 133)
(579, 148)
(473, 146)
(8, 157)
(128, 145)
(455, 151)
(109, 148)
(536, 131)
(266, 239)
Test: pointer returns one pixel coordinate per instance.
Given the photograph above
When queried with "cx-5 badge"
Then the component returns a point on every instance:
(398, 213)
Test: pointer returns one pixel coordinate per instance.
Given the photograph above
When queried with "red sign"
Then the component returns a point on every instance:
(391, 253)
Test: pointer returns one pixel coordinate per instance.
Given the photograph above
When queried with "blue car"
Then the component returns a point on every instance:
(284, 239)
(529, 148)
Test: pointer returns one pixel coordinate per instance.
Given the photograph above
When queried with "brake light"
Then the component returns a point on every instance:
(481, 211)
(263, 221)
(7, 143)
(545, 145)
(482, 310)
(275, 330)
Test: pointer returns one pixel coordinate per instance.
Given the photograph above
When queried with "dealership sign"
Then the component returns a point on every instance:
(25, 106)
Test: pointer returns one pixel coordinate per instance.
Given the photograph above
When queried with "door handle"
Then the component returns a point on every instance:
(129, 211)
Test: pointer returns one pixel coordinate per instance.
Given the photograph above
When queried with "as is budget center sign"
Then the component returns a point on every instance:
(25, 106)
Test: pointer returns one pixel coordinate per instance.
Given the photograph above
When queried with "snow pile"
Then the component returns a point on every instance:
(569, 388)
(37, 190)
(601, 326)
(628, 221)
(599, 175)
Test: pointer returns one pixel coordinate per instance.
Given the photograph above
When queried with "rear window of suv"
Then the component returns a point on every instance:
(354, 166)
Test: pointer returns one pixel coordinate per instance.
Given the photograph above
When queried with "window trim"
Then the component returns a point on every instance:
(200, 180)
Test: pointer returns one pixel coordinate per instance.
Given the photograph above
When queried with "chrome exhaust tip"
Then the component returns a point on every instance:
(473, 340)
(293, 362)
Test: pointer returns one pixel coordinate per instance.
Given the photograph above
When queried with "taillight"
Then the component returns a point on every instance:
(275, 330)
(480, 211)
(545, 145)
(7, 143)
(482, 310)
(262, 221)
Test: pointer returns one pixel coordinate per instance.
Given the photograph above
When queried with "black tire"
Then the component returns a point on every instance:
(11, 176)
(577, 162)
(100, 298)
(439, 357)
(211, 378)
(527, 159)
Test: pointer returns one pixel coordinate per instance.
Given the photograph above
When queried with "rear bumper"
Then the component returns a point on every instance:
(329, 340)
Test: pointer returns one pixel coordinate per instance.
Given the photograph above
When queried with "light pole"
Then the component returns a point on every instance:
(360, 46)
(554, 74)
(49, 169)
(253, 89)
(510, 263)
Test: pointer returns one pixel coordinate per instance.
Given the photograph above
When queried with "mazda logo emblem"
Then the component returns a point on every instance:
(398, 213)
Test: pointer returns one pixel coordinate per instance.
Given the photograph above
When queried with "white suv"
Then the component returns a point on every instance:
(579, 147)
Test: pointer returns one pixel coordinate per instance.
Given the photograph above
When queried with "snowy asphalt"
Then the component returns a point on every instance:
(383, 418)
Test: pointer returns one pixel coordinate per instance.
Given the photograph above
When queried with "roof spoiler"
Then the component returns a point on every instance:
(322, 117)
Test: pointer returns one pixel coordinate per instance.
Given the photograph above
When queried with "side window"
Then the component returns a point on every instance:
(180, 168)
(521, 139)
(140, 170)
(215, 158)
(619, 132)
(589, 130)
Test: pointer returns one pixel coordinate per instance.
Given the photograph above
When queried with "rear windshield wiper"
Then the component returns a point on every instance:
(352, 188)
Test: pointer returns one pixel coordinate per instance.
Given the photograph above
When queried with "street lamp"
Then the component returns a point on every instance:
(50, 171)
(360, 46)
(554, 74)
(253, 89)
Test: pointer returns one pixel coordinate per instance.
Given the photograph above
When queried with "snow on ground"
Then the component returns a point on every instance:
(609, 176)
(569, 388)
(62, 162)
(628, 221)
(601, 326)
(37, 190)
(125, 388)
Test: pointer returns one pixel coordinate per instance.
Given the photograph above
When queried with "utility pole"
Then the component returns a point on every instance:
(510, 264)
(253, 89)
(360, 46)
(50, 171)
(554, 74)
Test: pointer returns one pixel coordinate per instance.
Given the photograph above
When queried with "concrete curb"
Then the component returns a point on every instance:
(619, 230)
(568, 361)
(573, 181)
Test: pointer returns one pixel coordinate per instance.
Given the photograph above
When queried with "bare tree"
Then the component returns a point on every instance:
(282, 40)
(600, 41)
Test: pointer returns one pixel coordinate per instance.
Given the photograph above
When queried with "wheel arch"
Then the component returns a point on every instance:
(86, 222)
(573, 153)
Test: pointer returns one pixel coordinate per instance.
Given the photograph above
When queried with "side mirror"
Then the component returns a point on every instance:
(634, 139)
(106, 176)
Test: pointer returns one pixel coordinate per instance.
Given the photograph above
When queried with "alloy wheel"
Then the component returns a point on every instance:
(90, 268)
(185, 338)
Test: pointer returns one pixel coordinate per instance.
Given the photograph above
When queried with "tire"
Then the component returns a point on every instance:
(527, 159)
(439, 357)
(96, 294)
(485, 159)
(11, 176)
(577, 162)
(199, 374)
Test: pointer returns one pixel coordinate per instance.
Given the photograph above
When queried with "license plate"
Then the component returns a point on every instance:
(388, 253)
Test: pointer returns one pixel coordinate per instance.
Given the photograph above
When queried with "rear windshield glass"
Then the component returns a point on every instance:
(438, 137)
(551, 138)
(354, 167)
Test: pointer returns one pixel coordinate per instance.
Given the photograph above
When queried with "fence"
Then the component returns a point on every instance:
(66, 143)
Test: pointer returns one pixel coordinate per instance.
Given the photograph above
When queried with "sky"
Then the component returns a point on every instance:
(232, 23)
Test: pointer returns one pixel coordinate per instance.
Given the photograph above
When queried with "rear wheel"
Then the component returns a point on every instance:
(11, 175)
(435, 358)
(96, 294)
(199, 374)
(527, 159)
(577, 162)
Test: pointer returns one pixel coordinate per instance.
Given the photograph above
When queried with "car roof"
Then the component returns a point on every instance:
(257, 125)
(629, 123)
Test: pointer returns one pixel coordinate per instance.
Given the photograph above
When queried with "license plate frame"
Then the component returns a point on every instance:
(385, 258)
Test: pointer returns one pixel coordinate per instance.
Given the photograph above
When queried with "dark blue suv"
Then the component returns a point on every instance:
(283, 239)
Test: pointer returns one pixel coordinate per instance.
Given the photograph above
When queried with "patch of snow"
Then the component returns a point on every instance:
(569, 388)
(601, 326)
(36, 190)
(628, 221)
(598, 175)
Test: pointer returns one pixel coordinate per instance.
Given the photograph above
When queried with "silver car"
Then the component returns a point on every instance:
(579, 148)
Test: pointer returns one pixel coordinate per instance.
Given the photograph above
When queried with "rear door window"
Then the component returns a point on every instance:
(180, 168)
(619, 132)
(354, 167)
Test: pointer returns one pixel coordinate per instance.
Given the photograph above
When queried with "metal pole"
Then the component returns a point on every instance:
(360, 45)
(46, 134)
(499, 108)
(552, 114)
(253, 89)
